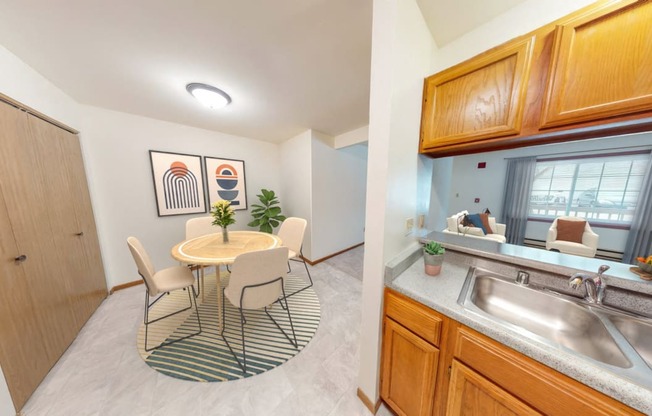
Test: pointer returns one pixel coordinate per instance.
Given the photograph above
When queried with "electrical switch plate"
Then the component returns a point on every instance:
(409, 225)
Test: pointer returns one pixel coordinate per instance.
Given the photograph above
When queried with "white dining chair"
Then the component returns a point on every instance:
(257, 282)
(161, 283)
(291, 233)
(197, 227)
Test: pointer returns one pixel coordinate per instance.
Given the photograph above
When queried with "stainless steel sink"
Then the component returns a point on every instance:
(638, 333)
(557, 320)
(616, 341)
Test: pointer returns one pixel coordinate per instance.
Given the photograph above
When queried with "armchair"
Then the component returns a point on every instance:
(586, 248)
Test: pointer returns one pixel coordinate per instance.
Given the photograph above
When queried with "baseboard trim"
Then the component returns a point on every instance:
(313, 262)
(373, 408)
(125, 286)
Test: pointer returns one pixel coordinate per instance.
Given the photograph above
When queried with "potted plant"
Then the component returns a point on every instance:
(433, 257)
(223, 216)
(267, 216)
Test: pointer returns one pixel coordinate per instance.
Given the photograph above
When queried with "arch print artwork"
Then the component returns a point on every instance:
(226, 181)
(178, 183)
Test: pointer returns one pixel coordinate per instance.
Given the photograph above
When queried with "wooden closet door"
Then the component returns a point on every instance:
(60, 197)
(24, 317)
(22, 352)
(30, 213)
(92, 282)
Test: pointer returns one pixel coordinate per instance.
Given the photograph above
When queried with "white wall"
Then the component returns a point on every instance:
(351, 137)
(401, 57)
(117, 154)
(339, 182)
(468, 182)
(296, 182)
(517, 21)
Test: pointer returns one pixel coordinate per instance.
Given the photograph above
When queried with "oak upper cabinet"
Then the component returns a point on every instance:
(478, 99)
(601, 65)
(411, 334)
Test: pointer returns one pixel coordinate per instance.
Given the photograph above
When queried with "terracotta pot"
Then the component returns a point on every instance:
(433, 263)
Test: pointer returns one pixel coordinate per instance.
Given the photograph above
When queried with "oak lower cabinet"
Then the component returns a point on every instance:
(411, 335)
(433, 365)
(472, 394)
(52, 277)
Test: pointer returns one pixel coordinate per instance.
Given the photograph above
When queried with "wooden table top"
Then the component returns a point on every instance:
(210, 250)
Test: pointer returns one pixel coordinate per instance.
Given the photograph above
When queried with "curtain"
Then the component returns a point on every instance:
(639, 240)
(516, 197)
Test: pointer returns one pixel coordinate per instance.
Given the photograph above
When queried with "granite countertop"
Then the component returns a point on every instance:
(441, 292)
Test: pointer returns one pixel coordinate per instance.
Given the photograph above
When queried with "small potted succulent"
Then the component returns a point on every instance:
(433, 257)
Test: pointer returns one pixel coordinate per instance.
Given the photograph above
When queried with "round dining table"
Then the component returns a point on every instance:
(211, 250)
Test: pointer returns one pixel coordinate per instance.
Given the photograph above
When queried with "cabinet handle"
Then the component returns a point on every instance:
(79, 234)
(20, 258)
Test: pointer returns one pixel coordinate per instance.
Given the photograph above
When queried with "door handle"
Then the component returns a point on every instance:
(79, 234)
(20, 258)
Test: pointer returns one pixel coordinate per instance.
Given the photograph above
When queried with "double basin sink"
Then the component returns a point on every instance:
(614, 340)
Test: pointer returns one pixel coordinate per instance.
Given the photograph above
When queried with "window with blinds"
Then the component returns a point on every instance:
(603, 189)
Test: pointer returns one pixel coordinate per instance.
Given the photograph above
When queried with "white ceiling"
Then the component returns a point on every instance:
(288, 65)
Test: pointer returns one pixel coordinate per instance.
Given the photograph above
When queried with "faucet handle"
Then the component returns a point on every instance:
(603, 269)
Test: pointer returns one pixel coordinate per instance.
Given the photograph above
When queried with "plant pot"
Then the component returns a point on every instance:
(433, 263)
(225, 235)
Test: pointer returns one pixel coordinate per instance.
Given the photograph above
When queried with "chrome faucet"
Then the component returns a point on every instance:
(595, 287)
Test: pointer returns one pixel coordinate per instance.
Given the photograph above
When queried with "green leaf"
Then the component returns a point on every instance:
(274, 223)
(267, 195)
(274, 211)
(281, 218)
(266, 228)
(254, 223)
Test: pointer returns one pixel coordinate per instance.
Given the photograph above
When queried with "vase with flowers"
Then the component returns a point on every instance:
(223, 216)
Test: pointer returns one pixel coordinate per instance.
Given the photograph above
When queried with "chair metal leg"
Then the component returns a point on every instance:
(287, 308)
(300, 259)
(147, 322)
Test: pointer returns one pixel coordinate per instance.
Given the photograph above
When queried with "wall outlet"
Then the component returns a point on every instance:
(409, 225)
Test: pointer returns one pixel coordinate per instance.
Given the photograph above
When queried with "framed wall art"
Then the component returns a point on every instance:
(226, 181)
(178, 183)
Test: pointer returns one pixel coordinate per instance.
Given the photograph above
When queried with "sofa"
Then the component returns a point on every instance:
(454, 226)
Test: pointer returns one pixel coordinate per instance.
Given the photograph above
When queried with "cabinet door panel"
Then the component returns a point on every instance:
(409, 371)
(599, 69)
(479, 99)
(472, 394)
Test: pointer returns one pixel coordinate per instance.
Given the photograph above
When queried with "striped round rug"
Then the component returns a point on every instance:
(205, 357)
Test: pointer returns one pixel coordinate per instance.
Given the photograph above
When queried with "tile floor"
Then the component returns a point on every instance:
(102, 374)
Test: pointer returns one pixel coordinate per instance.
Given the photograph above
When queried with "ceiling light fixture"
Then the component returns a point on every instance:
(208, 95)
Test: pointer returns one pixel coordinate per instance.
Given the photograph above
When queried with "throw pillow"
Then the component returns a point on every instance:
(569, 230)
(477, 222)
(485, 223)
